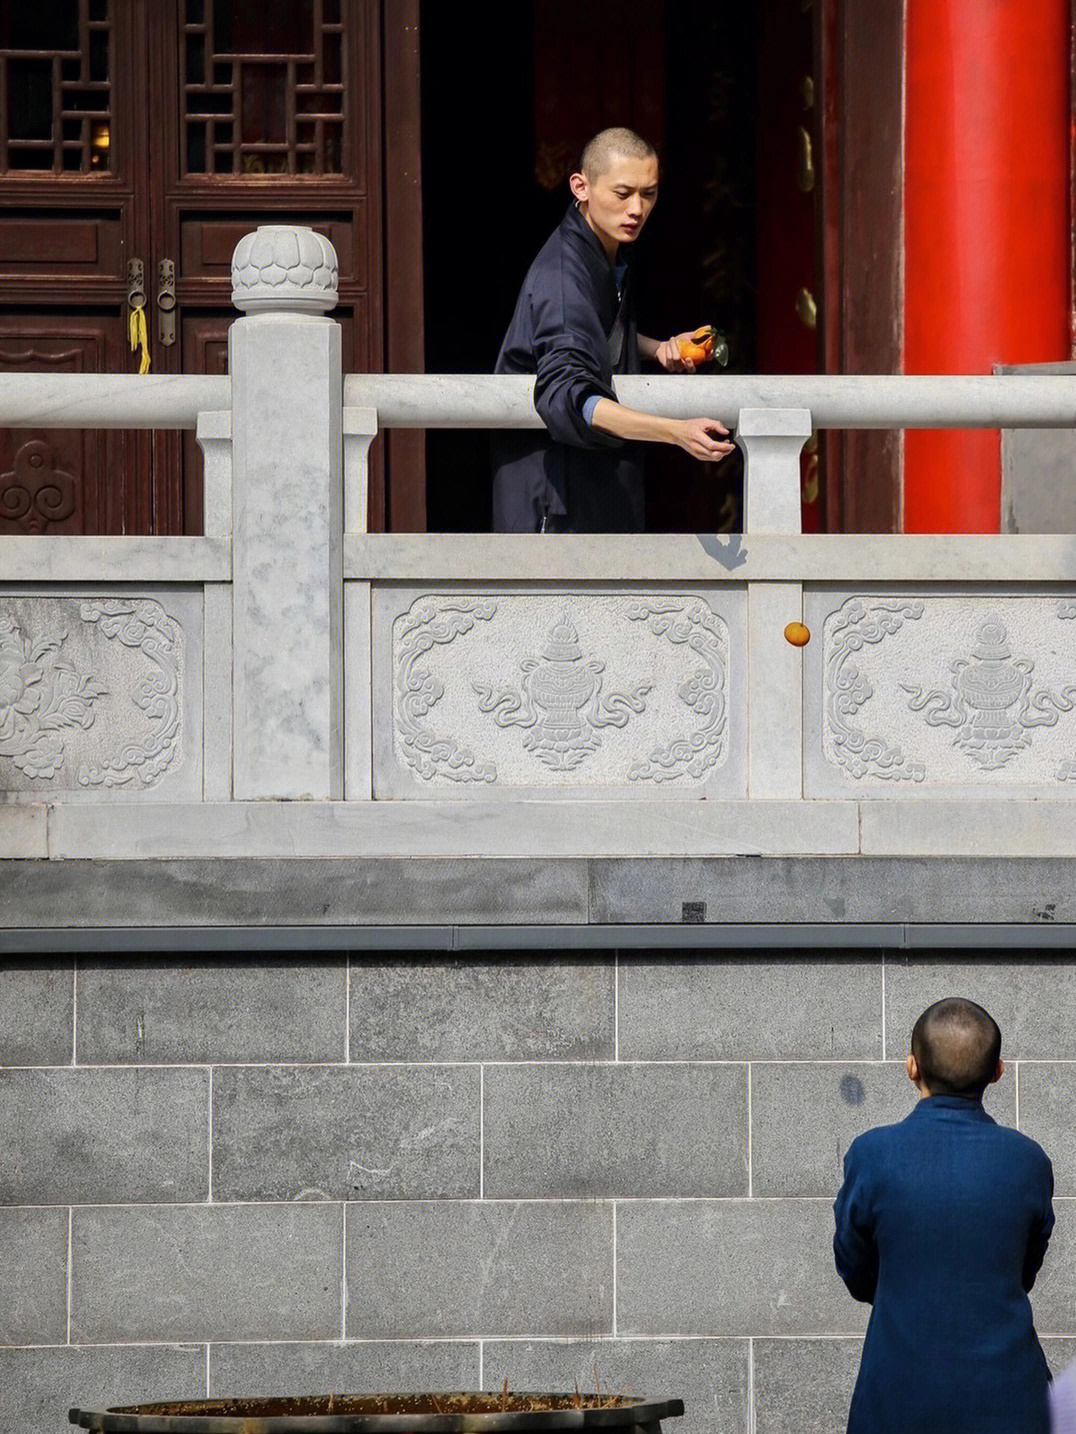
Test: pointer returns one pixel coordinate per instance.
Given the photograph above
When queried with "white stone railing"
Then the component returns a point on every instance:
(361, 687)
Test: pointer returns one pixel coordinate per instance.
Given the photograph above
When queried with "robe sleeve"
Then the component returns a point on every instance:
(854, 1248)
(1042, 1224)
(571, 352)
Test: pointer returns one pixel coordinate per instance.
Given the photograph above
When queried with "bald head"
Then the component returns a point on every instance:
(599, 154)
(956, 1045)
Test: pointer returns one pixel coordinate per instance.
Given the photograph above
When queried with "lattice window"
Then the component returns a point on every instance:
(263, 86)
(55, 84)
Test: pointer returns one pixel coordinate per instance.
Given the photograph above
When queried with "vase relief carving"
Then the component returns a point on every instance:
(994, 703)
(588, 698)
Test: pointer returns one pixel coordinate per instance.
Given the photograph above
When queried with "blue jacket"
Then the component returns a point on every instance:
(942, 1224)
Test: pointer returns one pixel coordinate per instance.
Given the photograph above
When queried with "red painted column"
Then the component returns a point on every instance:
(987, 225)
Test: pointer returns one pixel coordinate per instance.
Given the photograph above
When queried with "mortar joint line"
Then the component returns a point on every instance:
(750, 1150)
(208, 1391)
(343, 1271)
(614, 1271)
(1016, 1092)
(481, 1364)
(616, 1005)
(209, 1143)
(74, 1009)
(347, 1009)
(481, 1132)
(750, 1386)
(883, 1005)
(70, 1263)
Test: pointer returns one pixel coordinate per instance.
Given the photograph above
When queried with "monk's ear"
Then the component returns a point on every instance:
(998, 1073)
(911, 1065)
(577, 183)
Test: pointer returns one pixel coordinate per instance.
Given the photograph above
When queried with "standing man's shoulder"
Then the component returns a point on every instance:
(1019, 1146)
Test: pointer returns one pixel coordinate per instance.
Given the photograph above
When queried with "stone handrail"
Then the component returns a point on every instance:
(173, 401)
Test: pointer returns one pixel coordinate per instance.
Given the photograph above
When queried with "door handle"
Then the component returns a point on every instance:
(136, 312)
(166, 302)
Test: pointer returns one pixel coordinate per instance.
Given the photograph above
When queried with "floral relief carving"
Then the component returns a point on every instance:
(47, 696)
(418, 691)
(560, 701)
(689, 622)
(41, 694)
(146, 626)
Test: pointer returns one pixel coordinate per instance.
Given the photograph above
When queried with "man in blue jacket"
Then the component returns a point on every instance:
(942, 1223)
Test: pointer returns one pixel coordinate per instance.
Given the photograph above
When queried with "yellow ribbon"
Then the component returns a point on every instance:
(139, 336)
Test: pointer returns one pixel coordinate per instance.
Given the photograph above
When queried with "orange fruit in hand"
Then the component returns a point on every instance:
(700, 346)
(797, 634)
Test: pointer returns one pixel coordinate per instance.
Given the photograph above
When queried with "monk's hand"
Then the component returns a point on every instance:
(671, 359)
(704, 438)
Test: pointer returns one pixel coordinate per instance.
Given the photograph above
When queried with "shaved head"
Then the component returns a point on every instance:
(599, 154)
(956, 1045)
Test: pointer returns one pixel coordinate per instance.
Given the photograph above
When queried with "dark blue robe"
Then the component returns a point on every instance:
(942, 1224)
(573, 330)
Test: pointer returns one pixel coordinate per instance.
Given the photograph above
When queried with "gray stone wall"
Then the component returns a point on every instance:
(322, 1174)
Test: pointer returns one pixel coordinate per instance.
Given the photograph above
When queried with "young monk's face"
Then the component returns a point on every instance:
(617, 202)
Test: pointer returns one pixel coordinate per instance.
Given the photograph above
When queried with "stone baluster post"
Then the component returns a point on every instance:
(287, 518)
(771, 439)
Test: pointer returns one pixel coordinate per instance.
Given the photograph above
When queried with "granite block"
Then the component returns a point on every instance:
(1033, 1000)
(709, 1375)
(39, 1386)
(490, 1006)
(835, 889)
(211, 1272)
(730, 1267)
(1054, 1297)
(804, 1116)
(728, 1006)
(201, 1009)
(457, 1269)
(625, 1131)
(1059, 1351)
(103, 1136)
(354, 1367)
(36, 1012)
(294, 891)
(1047, 1102)
(33, 1290)
(804, 1385)
(338, 1133)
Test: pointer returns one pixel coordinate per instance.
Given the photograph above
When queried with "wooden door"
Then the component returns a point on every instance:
(162, 133)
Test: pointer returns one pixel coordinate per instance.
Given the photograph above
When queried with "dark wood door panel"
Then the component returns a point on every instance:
(167, 131)
(207, 240)
(67, 480)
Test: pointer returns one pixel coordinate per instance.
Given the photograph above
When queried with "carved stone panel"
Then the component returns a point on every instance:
(910, 693)
(100, 696)
(630, 694)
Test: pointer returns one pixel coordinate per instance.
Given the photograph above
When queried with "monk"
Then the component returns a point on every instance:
(574, 328)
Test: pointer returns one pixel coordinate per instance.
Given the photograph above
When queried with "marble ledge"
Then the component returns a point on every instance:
(977, 827)
(589, 829)
(97, 560)
(1024, 559)
(482, 829)
(23, 831)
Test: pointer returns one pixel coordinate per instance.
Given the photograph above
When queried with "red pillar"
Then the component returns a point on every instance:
(987, 225)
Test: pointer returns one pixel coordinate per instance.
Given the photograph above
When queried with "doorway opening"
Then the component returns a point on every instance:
(509, 96)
